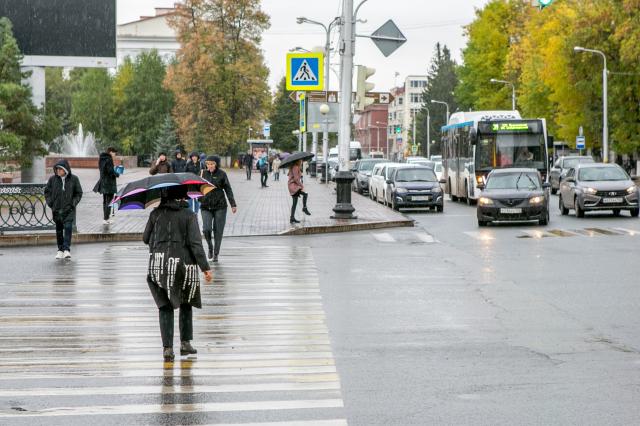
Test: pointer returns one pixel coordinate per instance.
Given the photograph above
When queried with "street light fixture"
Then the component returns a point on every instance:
(445, 104)
(605, 111)
(513, 91)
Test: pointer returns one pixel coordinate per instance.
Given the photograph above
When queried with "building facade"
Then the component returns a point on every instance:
(407, 104)
(146, 34)
(371, 129)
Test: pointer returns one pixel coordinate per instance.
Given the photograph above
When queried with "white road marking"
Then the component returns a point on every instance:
(427, 238)
(480, 235)
(384, 237)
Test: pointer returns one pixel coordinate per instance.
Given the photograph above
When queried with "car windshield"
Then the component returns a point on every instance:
(367, 166)
(570, 163)
(510, 150)
(415, 175)
(438, 168)
(429, 164)
(517, 181)
(592, 174)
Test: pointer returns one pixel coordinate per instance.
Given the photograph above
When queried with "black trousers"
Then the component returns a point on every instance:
(248, 172)
(295, 201)
(185, 324)
(263, 178)
(64, 231)
(213, 221)
(106, 205)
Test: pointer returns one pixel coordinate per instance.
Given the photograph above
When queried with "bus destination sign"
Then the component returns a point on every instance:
(510, 127)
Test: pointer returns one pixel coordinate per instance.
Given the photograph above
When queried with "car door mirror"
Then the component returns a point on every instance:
(546, 185)
(389, 181)
(481, 186)
(570, 179)
(442, 181)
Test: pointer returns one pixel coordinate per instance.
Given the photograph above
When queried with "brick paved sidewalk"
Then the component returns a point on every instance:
(260, 211)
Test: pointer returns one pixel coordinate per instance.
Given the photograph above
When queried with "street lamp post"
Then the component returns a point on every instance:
(513, 91)
(445, 104)
(605, 112)
(324, 110)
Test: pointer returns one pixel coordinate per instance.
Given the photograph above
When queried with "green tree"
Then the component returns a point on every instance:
(441, 83)
(284, 119)
(92, 104)
(57, 106)
(21, 133)
(121, 93)
(167, 140)
(220, 79)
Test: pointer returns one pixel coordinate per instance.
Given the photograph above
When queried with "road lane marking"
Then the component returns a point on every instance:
(426, 238)
(480, 235)
(336, 422)
(384, 237)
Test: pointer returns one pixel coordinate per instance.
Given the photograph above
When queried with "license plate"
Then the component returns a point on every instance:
(612, 200)
(510, 211)
(421, 198)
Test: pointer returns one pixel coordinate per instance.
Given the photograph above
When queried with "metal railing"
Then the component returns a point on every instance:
(23, 208)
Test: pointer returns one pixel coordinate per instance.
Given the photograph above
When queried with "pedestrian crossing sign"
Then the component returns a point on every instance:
(305, 71)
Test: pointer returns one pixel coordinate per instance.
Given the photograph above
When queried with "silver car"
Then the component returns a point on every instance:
(598, 186)
(562, 166)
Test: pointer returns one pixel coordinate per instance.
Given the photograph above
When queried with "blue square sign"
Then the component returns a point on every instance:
(305, 71)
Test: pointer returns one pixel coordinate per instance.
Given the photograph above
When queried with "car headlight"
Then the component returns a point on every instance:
(484, 201)
(632, 189)
(536, 200)
(590, 191)
(401, 190)
(436, 189)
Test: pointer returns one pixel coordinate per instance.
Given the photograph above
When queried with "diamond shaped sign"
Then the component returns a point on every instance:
(388, 38)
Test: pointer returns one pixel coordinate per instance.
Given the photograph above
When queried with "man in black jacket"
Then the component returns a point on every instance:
(214, 205)
(179, 165)
(248, 164)
(62, 194)
(107, 185)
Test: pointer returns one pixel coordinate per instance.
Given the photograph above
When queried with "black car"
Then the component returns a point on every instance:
(362, 172)
(513, 195)
(598, 186)
(415, 186)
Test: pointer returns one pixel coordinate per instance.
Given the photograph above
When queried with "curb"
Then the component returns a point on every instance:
(351, 227)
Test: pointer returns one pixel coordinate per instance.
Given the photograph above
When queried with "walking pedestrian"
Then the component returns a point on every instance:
(296, 189)
(107, 185)
(276, 168)
(214, 205)
(176, 254)
(263, 165)
(161, 165)
(248, 164)
(179, 164)
(193, 166)
(62, 194)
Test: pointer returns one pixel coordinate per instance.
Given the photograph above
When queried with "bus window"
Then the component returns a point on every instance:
(510, 150)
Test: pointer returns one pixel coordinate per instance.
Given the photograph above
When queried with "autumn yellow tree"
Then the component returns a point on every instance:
(219, 79)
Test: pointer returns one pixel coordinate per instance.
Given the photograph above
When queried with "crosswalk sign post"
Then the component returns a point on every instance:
(303, 113)
(305, 71)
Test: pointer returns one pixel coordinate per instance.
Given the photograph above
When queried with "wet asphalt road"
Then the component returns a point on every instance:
(444, 323)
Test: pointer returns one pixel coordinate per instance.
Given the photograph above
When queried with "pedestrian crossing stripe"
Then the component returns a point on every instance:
(305, 71)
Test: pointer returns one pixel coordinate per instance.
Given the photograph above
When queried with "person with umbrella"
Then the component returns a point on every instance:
(296, 187)
(176, 254)
(214, 205)
(107, 185)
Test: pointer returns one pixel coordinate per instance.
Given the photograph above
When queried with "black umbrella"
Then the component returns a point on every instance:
(304, 156)
(148, 191)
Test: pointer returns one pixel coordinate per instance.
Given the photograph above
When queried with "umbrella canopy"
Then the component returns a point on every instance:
(304, 156)
(147, 192)
(284, 155)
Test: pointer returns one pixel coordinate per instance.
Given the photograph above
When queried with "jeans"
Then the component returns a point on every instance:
(295, 201)
(106, 205)
(166, 324)
(194, 205)
(248, 172)
(263, 178)
(276, 175)
(63, 234)
(214, 220)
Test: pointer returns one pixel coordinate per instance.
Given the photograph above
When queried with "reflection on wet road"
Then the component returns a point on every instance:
(82, 345)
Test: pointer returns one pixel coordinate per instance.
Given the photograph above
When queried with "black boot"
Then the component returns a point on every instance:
(293, 220)
(207, 237)
(306, 211)
(168, 354)
(187, 349)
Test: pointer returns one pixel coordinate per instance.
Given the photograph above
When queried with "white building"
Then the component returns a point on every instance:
(146, 34)
(408, 99)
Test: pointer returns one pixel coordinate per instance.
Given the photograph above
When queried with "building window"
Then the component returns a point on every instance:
(416, 98)
(400, 100)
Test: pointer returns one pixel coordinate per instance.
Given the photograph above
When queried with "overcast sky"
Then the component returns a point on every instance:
(423, 22)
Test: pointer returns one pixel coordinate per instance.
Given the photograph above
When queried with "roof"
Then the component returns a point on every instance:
(588, 165)
(514, 170)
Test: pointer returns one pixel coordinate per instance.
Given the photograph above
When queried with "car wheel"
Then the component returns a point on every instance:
(554, 191)
(634, 212)
(440, 209)
(578, 209)
(563, 210)
(616, 212)
(545, 221)
(482, 223)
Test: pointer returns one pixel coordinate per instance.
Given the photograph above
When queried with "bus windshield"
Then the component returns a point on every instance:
(496, 151)
(355, 154)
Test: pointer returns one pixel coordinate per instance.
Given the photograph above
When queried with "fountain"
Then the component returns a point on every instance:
(79, 145)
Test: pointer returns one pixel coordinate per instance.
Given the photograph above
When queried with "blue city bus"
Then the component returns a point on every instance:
(474, 143)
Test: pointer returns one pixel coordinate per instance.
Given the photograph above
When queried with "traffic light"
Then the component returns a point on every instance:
(398, 129)
(363, 86)
(544, 3)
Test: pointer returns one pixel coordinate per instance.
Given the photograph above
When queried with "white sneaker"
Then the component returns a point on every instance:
(106, 222)
(67, 254)
(59, 255)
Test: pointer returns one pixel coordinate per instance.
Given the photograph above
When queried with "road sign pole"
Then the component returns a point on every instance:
(343, 208)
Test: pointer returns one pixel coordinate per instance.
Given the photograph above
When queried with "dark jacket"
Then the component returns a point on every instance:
(215, 199)
(163, 167)
(179, 165)
(193, 167)
(63, 195)
(176, 255)
(107, 183)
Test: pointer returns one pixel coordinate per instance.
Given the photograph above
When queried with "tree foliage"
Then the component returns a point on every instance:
(284, 119)
(92, 104)
(167, 140)
(220, 79)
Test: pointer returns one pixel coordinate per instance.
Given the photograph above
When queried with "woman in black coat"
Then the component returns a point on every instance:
(107, 185)
(176, 255)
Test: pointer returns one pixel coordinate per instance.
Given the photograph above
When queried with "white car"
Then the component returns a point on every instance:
(378, 186)
(411, 160)
(438, 169)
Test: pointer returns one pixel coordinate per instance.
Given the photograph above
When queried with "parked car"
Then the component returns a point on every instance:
(415, 186)
(513, 195)
(333, 169)
(562, 166)
(598, 186)
(378, 182)
(439, 169)
(425, 163)
(415, 159)
(436, 158)
(362, 171)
